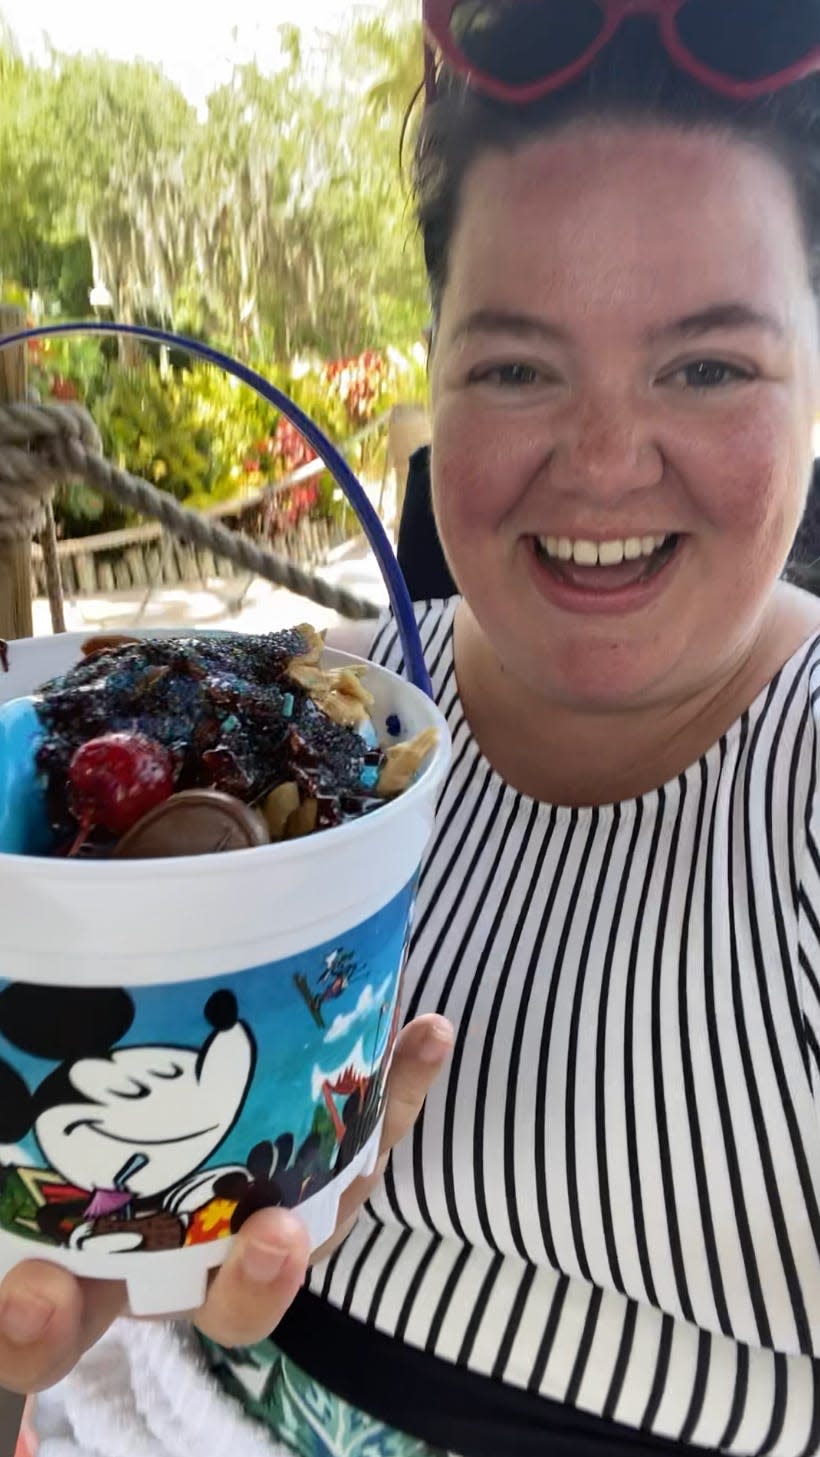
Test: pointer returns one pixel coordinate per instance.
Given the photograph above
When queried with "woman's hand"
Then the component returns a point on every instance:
(48, 1317)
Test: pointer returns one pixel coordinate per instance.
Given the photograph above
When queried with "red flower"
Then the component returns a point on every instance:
(64, 389)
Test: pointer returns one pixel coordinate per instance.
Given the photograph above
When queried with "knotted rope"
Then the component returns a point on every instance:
(43, 446)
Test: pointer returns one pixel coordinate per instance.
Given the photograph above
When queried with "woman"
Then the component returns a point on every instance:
(604, 1233)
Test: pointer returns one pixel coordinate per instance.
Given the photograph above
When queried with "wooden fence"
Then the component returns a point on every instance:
(143, 556)
(146, 556)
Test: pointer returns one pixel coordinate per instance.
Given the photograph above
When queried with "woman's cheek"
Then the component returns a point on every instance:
(453, 505)
(740, 479)
(480, 471)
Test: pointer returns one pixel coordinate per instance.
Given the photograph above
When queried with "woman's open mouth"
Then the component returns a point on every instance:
(605, 576)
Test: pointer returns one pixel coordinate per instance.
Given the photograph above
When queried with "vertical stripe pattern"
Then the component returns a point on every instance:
(613, 1197)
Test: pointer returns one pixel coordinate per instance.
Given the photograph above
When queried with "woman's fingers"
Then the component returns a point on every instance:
(251, 1292)
(421, 1050)
(48, 1319)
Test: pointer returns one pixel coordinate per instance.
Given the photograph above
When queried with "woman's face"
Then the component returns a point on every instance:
(624, 384)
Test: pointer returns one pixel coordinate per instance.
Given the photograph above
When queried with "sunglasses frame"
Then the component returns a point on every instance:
(437, 15)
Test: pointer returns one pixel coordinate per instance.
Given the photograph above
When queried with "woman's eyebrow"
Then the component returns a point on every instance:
(733, 315)
(718, 316)
(504, 321)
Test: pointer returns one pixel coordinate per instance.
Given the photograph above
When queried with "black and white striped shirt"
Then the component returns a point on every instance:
(613, 1198)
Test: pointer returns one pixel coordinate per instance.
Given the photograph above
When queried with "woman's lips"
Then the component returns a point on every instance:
(624, 587)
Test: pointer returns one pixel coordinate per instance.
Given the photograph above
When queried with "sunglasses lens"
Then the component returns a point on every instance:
(749, 40)
(521, 41)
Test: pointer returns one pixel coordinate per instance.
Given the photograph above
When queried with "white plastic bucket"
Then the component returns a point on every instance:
(182, 1040)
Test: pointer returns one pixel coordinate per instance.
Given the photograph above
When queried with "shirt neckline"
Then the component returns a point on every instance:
(623, 808)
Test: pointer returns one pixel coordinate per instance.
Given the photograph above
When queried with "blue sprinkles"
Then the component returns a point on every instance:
(394, 725)
(287, 705)
(230, 724)
(369, 776)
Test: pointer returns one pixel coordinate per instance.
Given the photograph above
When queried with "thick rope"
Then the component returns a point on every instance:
(42, 446)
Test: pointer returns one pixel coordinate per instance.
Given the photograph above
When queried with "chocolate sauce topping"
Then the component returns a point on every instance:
(223, 706)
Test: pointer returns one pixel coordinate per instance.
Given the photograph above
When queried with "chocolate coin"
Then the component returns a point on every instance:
(194, 822)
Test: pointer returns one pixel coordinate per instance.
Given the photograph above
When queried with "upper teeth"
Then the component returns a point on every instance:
(600, 553)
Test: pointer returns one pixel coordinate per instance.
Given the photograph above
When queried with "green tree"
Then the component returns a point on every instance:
(26, 191)
(253, 174)
(386, 60)
(277, 225)
(119, 131)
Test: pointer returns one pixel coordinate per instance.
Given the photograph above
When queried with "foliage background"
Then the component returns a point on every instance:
(275, 224)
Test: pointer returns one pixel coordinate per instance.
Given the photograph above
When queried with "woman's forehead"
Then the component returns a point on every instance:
(609, 216)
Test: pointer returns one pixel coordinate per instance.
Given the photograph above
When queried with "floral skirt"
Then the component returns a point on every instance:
(301, 1413)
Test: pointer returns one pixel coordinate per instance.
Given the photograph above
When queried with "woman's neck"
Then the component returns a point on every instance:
(563, 755)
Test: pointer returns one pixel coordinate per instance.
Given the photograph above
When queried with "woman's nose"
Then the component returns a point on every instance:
(605, 448)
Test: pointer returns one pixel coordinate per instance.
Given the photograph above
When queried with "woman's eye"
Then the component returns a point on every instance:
(709, 374)
(510, 375)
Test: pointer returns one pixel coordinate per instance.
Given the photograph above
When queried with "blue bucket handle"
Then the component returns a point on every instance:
(374, 531)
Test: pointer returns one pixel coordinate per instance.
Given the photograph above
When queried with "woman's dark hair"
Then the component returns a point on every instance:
(632, 80)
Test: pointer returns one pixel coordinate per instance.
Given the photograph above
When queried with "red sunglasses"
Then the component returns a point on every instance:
(520, 50)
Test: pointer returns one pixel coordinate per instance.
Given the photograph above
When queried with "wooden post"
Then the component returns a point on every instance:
(15, 556)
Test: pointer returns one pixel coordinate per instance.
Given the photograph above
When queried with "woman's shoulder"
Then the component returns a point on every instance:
(800, 650)
(379, 638)
(782, 746)
(434, 621)
(800, 609)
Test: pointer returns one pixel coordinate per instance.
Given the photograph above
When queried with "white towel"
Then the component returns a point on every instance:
(144, 1391)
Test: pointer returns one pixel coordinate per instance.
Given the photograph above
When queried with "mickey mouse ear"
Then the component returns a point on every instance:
(64, 1023)
(15, 1105)
(260, 1160)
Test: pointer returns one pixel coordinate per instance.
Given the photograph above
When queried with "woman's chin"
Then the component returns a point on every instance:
(626, 657)
(591, 670)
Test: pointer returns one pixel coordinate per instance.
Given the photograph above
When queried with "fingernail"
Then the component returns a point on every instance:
(23, 1318)
(263, 1263)
(437, 1042)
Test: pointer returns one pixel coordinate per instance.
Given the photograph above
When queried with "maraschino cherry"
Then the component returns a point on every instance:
(114, 780)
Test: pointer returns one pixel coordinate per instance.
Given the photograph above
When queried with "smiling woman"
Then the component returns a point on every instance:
(674, 410)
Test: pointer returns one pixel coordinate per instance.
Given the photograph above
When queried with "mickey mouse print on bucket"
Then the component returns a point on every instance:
(159, 1117)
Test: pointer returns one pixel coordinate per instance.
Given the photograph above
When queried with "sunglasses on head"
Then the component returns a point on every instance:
(521, 50)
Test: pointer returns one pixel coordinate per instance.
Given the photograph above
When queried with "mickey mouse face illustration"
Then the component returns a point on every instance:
(140, 1118)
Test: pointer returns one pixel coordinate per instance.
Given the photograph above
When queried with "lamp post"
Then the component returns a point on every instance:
(100, 297)
(15, 556)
